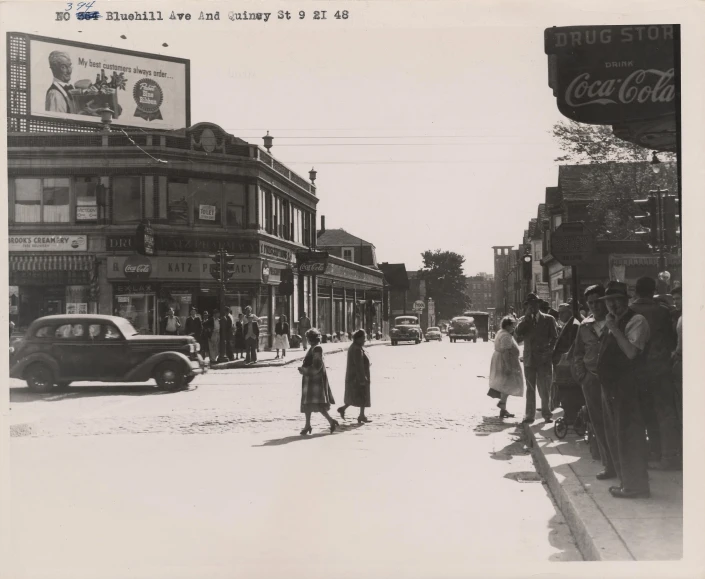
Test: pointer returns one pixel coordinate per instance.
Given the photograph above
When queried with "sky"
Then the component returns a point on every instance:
(430, 132)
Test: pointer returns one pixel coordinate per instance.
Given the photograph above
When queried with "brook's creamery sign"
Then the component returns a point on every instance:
(613, 74)
(47, 243)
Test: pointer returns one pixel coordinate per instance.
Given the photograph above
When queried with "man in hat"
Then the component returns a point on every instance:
(617, 367)
(566, 339)
(656, 380)
(584, 365)
(539, 333)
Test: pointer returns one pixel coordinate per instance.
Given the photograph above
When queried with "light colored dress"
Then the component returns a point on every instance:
(506, 378)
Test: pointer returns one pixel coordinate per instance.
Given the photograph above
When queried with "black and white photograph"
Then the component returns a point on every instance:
(353, 289)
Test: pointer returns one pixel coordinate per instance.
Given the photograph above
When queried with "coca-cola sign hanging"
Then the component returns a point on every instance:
(612, 74)
(312, 262)
(137, 267)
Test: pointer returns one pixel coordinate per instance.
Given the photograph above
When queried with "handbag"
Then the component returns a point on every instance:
(492, 393)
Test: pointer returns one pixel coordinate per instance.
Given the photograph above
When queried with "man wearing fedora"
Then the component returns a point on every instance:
(539, 333)
(618, 369)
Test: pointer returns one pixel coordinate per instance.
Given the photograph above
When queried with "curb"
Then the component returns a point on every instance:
(271, 364)
(595, 536)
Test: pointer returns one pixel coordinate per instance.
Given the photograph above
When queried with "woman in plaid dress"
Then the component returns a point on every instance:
(316, 395)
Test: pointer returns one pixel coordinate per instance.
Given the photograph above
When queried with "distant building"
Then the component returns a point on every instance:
(481, 290)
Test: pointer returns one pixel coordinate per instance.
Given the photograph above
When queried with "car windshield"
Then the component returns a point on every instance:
(463, 321)
(406, 322)
(433, 330)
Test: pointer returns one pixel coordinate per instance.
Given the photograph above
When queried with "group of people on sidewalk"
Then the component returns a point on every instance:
(240, 337)
(626, 356)
(316, 392)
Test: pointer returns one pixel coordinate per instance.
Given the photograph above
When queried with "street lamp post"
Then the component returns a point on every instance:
(663, 276)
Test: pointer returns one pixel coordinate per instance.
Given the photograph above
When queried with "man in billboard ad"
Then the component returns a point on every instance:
(142, 90)
(57, 97)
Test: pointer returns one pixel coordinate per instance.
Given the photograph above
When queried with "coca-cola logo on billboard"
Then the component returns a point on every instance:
(137, 267)
(612, 74)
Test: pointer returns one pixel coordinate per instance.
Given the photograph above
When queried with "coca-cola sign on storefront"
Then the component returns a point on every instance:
(137, 267)
(612, 74)
(312, 262)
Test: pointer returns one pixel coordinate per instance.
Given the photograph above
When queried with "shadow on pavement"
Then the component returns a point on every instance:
(515, 448)
(299, 437)
(18, 395)
(491, 424)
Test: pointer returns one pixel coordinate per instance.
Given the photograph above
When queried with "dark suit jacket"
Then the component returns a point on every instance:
(226, 325)
(194, 327)
(539, 338)
(566, 339)
(662, 340)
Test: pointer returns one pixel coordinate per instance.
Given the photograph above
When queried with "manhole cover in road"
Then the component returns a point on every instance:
(524, 477)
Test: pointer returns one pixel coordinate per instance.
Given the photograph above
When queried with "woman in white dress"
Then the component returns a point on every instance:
(281, 336)
(506, 378)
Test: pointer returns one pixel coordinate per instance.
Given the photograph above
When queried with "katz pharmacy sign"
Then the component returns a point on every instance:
(612, 75)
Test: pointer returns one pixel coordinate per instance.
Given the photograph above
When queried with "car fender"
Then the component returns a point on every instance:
(144, 370)
(18, 369)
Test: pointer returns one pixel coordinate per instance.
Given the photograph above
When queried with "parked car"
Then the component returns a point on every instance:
(406, 329)
(433, 333)
(462, 328)
(58, 350)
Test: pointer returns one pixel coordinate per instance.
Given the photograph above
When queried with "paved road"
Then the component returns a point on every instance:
(125, 481)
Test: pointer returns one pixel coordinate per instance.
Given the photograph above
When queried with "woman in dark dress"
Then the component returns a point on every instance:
(239, 338)
(316, 395)
(357, 377)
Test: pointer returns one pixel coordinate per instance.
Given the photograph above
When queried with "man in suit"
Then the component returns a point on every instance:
(621, 354)
(539, 333)
(226, 329)
(655, 377)
(57, 97)
(566, 339)
(194, 325)
(251, 331)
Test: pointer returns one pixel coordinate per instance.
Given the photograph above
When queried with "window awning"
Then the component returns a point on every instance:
(62, 262)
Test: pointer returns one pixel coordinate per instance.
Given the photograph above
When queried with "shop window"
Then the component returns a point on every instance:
(127, 199)
(90, 193)
(235, 205)
(268, 216)
(177, 201)
(284, 219)
(42, 200)
(207, 201)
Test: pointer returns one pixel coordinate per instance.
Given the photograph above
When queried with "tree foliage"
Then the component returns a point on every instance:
(624, 175)
(445, 281)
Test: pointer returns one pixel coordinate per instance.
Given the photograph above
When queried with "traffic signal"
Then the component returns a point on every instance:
(670, 221)
(648, 219)
(216, 267)
(229, 266)
(526, 265)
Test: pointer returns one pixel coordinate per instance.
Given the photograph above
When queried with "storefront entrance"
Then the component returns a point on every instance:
(206, 302)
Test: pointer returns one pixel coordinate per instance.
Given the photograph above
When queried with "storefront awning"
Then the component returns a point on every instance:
(643, 259)
(52, 262)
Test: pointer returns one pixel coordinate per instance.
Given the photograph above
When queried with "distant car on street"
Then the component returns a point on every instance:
(462, 328)
(406, 329)
(433, 333)
(58, 350)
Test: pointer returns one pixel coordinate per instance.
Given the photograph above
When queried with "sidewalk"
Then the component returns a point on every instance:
(605, 528)
(267, 359)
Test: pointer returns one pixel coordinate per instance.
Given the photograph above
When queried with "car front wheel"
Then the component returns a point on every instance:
(169, 376)
(39, 378)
